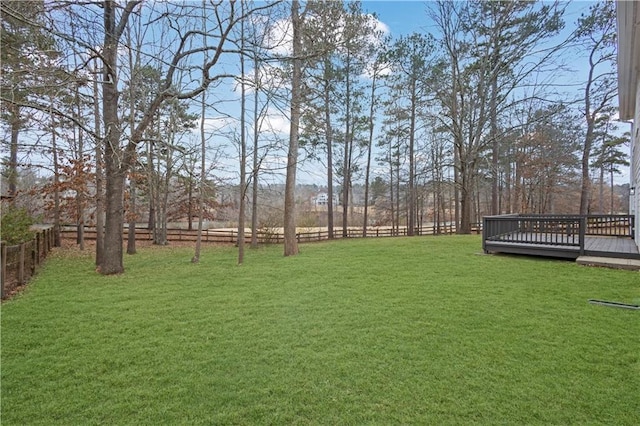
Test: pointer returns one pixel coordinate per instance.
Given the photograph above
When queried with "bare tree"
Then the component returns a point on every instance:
(596, 32)
(119, 158)
(411, 57)
(375, 69)
(483, 66)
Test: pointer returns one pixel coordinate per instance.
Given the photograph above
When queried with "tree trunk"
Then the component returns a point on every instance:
(493, 129)
(391, 191)
(601, 191)
(585, 187)
(112, 259)
(507, 184)
(466, 198)
(398, 194)
(243, 149)
(411, 213)
(80, 216)
(131, 234)
(56, 184)
(201, 203)
(163, 204)
(256, 165)
(12, 178)
(365, 220)
(329, 142)
(290, 239)
(456, 185)
(99, 174)
(346, 167)
(112, 262)
(611, 210)
(153, 188)
(190, 201)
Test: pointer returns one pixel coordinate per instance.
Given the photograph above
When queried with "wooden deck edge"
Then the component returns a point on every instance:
(613, 255)
(610, 262)
(565, 252)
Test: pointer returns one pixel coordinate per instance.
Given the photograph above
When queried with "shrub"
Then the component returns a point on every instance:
(15, 225)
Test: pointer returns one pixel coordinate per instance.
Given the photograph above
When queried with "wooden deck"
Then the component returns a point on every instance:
(603, 246)
(561, 236)
(594, 246)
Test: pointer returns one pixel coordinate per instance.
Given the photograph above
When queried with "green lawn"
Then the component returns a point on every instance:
(381, 331)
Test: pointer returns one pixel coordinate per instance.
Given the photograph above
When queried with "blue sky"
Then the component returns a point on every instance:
(402, 17)
(407, 16)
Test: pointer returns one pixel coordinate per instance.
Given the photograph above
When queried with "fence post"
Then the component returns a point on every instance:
(21, 264)
(37, 247)
(3, 267)
(34, 256)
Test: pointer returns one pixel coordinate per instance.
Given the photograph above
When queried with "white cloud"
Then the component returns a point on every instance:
(280, 38)
(380, 26)
(383, 70)
(276, 122)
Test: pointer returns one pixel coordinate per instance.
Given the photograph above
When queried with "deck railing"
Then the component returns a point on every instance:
(611, 225)
(554, 230)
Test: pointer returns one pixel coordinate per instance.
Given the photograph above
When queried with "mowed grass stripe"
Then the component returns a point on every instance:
(380, 331)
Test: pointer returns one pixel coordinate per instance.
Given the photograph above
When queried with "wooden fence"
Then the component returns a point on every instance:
(19, 263)
(265, 236)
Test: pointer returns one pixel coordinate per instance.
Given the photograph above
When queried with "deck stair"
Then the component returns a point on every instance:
(610, 262)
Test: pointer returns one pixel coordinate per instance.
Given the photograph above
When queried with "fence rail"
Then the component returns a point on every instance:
(264, 236)
(20, 262)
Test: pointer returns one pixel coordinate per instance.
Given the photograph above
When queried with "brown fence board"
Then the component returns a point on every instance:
(264, 236)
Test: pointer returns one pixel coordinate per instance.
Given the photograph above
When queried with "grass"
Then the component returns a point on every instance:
(383, 331)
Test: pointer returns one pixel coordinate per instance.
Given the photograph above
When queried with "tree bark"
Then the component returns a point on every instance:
(99, 174)
(196, 255)
(346, 167)
(369, 149)
(16, 124)
(411, 214)
(243, 150)
(131, 232)
(290, 239)
(256, 165)
(56, 184)
(112, 259)
(329, 142)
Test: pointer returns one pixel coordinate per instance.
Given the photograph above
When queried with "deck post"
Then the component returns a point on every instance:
(485, 234)
(583, 231)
